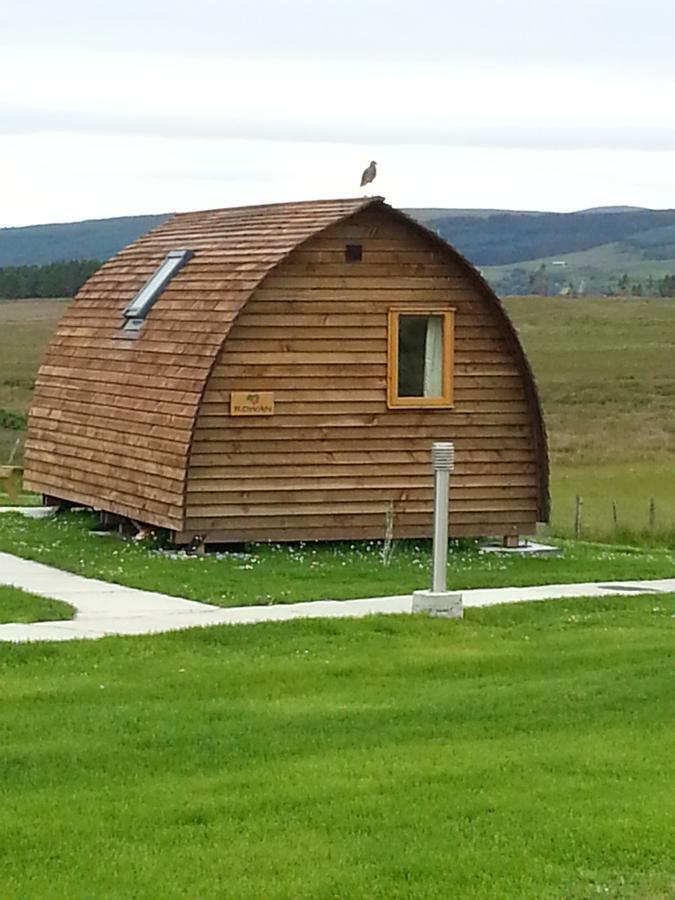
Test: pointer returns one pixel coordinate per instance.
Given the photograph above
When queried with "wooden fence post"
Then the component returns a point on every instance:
(577, 517)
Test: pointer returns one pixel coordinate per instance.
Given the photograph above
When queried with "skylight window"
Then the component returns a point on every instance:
(140, 306)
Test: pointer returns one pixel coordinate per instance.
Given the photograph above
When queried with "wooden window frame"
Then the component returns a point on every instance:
(446, 401)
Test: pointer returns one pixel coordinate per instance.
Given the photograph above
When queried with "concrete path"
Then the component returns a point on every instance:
(108, 609)
(30, 512)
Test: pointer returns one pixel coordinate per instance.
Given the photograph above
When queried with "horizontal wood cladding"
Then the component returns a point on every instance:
(350, 527)
(160, 492)
(321, 418)
(370, 450)
(399, 478)
(297, 503)
(309, 515)
(358, 464)
(113, 414)
(286, 393)
(147, 470)
(476, 405)
(333, 459)
(346, 530)
(63, 485)
(69, 430)
(139, 424)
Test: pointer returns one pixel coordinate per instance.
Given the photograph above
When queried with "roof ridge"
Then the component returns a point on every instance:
(329, 201)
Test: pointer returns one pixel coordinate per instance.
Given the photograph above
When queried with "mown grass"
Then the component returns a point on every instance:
(19, 606)
(523, 752)
(275, 573)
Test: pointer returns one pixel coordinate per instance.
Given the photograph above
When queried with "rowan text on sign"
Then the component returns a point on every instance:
(252, 403)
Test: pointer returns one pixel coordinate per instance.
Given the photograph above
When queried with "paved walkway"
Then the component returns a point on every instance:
(108, 609)
(30, 512)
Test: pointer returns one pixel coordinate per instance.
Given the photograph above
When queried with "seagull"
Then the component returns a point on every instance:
(369, 174)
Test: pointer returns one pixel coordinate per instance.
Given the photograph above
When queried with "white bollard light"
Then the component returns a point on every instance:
(438, 601)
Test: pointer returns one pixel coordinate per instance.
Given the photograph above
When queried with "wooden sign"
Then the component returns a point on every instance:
(252, 403)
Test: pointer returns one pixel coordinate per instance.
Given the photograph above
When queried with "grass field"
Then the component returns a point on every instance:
(269, 573)
(606, 374)
(18, 606)
(525, 752)
(25, 328)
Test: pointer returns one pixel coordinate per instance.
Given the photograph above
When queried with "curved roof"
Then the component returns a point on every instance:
(124, 404)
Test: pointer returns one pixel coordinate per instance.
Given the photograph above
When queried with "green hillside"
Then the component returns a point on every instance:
(588, 251)
(93, 239)
(508, 238)
(595, 271)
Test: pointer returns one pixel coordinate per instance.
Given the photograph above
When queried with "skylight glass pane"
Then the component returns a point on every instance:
(140, 305)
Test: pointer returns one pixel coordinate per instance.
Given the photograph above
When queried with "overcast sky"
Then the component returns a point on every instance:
(116, 108)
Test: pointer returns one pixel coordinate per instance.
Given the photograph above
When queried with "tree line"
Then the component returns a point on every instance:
(652, 287)
(59, 279)
(545, 282)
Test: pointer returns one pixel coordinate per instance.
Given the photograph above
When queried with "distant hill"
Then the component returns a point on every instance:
(509, 238)
(590, 249)
(602, 250)
(92, 239)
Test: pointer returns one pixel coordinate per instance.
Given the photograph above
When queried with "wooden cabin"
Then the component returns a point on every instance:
(279, 373)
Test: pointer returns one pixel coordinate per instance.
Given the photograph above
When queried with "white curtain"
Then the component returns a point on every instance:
(433, 357)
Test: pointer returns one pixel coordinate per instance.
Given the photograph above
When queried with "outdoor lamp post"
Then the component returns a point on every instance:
(438, 601)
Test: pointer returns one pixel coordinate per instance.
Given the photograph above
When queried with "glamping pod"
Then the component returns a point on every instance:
(279, 373)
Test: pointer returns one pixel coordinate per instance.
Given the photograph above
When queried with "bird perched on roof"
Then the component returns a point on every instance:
(369, 174)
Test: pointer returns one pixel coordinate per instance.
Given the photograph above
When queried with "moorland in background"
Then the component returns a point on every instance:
(605, 373)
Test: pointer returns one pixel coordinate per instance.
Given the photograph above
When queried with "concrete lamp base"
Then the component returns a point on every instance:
(446, 604)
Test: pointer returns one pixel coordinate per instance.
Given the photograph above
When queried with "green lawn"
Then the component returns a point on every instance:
(273, 573)
(524, 752)
(18, 606)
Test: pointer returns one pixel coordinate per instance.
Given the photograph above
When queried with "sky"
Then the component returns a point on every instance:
(128, 107)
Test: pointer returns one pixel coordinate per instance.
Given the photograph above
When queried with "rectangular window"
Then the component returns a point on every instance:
(140, 306)
(353, 252)
(420, 358)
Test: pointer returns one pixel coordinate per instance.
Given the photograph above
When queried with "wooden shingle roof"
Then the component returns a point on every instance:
(112, 414)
